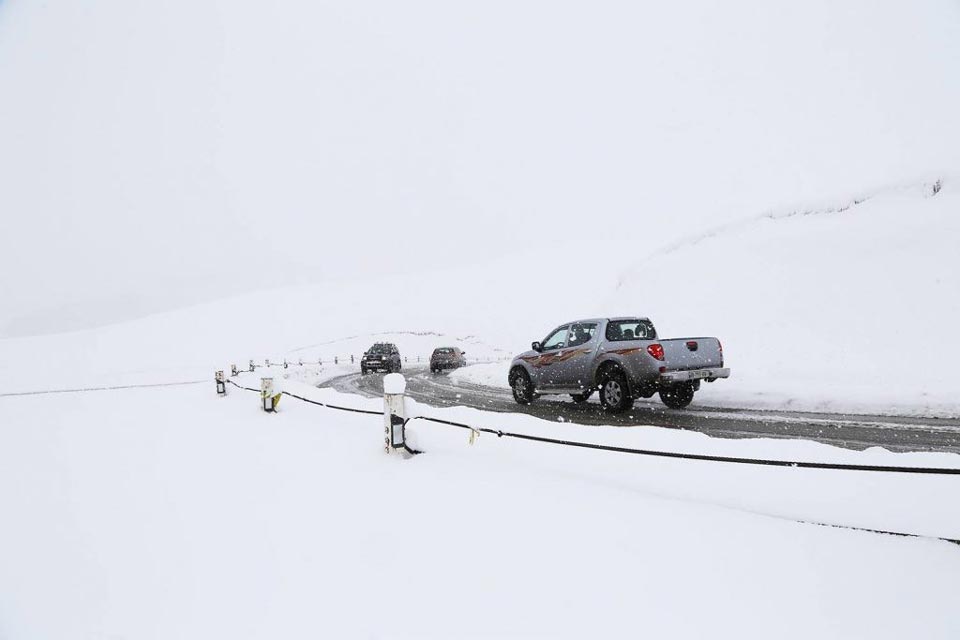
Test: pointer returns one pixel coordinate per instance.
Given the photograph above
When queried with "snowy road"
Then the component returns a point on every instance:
(850, 431)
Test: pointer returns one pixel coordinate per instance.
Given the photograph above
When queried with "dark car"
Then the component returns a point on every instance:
(447, 358)
(382, 356)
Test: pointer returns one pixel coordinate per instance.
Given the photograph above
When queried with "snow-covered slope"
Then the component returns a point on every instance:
(146, 145)
(852, 305)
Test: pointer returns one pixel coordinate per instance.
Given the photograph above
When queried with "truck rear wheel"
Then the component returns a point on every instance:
(614, 392)
(678, 396)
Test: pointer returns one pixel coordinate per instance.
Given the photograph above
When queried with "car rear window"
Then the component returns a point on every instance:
(443, 351)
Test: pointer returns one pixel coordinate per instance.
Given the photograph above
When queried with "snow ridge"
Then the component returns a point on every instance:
(926, 189)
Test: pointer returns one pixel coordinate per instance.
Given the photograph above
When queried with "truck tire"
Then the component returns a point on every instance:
(614, 392)
(521, 386)
(580, 398)
(678, 396)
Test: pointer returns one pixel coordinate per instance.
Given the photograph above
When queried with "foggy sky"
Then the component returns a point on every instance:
(159, 154)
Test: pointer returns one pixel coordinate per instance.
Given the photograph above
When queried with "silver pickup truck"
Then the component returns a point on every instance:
(622, 357)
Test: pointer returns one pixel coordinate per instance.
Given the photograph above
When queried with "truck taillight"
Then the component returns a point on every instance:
(656, 350)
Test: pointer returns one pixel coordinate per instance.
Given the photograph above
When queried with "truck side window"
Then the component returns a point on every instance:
(557, 339)
(581, 333)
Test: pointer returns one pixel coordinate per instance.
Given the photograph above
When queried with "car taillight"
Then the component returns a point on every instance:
(656, 350)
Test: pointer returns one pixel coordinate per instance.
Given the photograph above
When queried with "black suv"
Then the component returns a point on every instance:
(382, 356)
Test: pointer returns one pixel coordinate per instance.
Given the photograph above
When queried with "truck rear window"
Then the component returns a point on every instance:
(634, 329)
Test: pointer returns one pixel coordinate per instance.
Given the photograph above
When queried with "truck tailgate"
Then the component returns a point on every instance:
(683, 354)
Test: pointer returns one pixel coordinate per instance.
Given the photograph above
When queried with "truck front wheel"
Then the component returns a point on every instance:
(522, 386)
(678, 396)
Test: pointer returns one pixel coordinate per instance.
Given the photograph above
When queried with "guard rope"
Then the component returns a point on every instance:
(316, 402)
(113, 388)
(696, 456)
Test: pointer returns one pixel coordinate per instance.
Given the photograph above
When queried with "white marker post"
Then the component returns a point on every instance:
(233, 371)
(394, 386)
(266, 362)
(252, 367)
(268, 397)
(221, 385)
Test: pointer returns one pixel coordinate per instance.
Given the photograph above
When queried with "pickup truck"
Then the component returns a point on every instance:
(622, 358)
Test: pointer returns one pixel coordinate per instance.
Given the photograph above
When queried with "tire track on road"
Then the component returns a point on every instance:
(895, 433)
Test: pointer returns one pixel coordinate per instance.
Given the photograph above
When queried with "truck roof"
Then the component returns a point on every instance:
(608, 319)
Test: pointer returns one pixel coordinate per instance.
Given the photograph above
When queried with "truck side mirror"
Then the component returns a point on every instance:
(536, 346)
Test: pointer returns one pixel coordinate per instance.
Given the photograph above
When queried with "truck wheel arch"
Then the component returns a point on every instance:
(518, 367)
(606, 366)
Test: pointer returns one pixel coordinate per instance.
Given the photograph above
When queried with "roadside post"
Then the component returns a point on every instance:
(252, 367)
(233, 371)
(351, 358)
(221, 385)
(266, 362)
(268, 395)
(394, 386)
(284, 363)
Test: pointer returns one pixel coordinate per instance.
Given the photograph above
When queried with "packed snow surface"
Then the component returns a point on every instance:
(170, 512)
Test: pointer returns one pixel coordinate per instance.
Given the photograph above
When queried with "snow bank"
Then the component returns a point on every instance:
(488, 374)
(173, 513)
